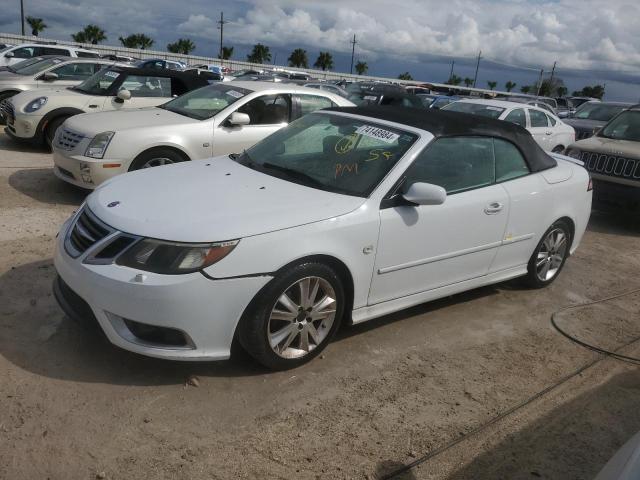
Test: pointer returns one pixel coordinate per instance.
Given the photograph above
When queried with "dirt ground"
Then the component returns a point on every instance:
(384, 394)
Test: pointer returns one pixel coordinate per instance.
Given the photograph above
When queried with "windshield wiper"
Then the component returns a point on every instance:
(295, 174)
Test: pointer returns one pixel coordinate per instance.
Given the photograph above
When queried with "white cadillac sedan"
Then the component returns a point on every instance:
(551, 133)
(216, 120)
(345, 215)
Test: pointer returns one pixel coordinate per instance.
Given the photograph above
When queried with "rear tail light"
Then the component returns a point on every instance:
(590, 185)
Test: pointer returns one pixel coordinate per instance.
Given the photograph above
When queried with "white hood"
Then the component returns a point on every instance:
(211, 200)
(94, 123)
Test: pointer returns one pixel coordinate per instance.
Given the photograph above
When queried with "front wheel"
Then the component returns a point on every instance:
(156, 157)
(51, 128)
(549, 256)
(293, 318)
(558, 149)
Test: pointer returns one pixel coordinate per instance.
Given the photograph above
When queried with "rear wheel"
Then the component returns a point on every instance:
(156, 157)
(294, 317)
(549, 256)
(50, 130)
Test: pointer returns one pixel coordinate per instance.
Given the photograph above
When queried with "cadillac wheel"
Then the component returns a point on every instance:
(294, 318)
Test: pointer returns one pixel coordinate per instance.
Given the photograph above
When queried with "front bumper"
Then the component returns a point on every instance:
(206, 311)
(24, 127)
(85, 172)
(614, 195)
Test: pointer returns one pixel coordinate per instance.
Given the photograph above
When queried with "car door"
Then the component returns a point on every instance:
(517, 116)
(267, 114)
(530, 200)
(539, 128)
(69, 74)
(146, 91)
(23, 53)
(424, 247)
(303, 104)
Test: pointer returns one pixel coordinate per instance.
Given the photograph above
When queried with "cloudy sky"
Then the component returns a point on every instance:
(592, 41)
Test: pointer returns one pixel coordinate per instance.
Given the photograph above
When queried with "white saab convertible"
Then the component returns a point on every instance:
(344, 215)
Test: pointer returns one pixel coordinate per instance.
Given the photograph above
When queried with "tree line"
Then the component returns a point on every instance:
(299, 59)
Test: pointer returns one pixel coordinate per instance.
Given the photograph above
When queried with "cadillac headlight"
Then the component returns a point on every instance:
(172, 258)
(35, 105)
(99, 144)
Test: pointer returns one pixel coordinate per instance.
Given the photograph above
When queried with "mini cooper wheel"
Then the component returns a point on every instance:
(156, 157)
(549, 256)
(293, 318)
(51, 129)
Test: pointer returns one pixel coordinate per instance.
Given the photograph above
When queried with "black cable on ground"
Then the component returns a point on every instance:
(506, 413)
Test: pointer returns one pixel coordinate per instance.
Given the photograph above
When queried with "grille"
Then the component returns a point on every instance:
(6, 109)
(85, 232)
(611, 165)
(68, 140)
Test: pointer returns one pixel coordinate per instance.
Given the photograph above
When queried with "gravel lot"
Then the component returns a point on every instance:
(384, 393)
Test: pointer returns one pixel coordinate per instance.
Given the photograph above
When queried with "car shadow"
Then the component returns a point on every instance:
(573, 441)
(39, 338)
(9, 145)
(614, 223)
(43, 186)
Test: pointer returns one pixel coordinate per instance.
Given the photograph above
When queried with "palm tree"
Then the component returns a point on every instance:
(183, 45)
(298, 58)
(525, 89)
(492, 85)
(90, 34)
(130, 42)
(405, 76)
(259, 54)
(361, 68)
(562, 91)
(144, 42)
(227, 53)
(36, 24)
(454, 80)
(324, 61)
(79, 37)
(468, 81)
(509, 86)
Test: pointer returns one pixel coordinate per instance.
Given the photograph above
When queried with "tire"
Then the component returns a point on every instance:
(50, 130)
(548, 258)
(156, 157)
(558, 149)
(273, 332)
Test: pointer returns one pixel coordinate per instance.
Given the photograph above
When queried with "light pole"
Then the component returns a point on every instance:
(22, 15)
(353, 51)
(475, 77)
(221, 22)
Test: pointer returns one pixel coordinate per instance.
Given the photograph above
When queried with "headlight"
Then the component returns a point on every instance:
(98, 145)
(35, 105)
(573, 153)
(172, 258)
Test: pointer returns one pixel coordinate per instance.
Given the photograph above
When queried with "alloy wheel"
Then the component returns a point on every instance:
(157, 162)
(551, 254)
(302, 317)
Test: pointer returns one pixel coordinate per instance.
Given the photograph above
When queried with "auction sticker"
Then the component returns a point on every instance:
(377, 133)
(234, 94)
(111, 74)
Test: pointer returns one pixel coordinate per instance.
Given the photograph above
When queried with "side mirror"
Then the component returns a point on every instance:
(9, 55)
(123, 95)
(425, 194)
(49, 76)
(237, 119)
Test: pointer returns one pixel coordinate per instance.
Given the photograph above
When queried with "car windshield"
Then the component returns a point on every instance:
(441, 102)
(598, 111)
(475, 109)
(100, 83)
(331, 152)
(625, 126)
(36, 67)
(205, 102)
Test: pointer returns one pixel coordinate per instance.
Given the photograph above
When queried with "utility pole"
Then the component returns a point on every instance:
(552, 72)
(22, 15)
(540, 82)
(453, 62)
(353, 51)
(221, 22)
(475, 78)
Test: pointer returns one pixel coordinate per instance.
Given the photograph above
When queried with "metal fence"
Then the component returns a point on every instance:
(194, 59)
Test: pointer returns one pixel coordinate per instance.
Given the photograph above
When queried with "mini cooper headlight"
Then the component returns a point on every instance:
(99, 144)
(35, 105)
(171, 258)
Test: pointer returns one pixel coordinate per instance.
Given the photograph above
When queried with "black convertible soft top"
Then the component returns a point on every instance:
(442, 123)
(190, 80)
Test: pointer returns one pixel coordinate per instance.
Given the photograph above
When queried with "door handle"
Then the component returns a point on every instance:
(548, 133)
(493, 208)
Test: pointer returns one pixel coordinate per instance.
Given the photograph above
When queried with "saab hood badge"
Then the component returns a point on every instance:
(113, 204)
